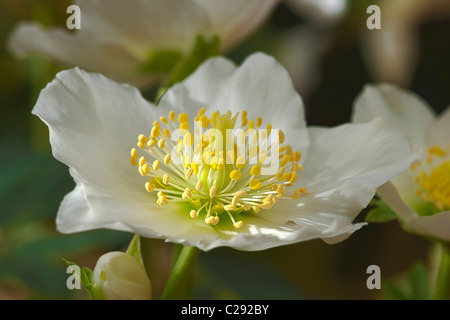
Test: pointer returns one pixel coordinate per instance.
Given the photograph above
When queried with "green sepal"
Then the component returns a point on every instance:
(85, 279)
(134, 250)
(162, 61)
(203, 49)
(381, 212)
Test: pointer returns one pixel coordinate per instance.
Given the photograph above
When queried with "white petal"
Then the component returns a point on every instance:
(260, 85)
(344, 168)
(401, 108)
(439, 133)
(234, 20)
(67, 48)
(389, 193)
(437, 226)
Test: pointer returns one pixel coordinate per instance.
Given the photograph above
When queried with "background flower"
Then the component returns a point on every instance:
(120, 39)
(427, 198)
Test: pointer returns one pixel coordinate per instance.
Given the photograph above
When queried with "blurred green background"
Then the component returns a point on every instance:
(33, 183)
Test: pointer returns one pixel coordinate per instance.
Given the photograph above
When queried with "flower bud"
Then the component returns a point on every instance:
(118, 276)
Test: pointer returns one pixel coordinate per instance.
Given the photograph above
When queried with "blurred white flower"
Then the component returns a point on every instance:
(118, 276)
(321, 12)
(117, 37)
(391, 53)
(210, 198)
(420, 196)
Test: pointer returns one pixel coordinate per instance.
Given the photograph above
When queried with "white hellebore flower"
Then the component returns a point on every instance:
(421, 195)
(118, 276)
(117, 37)
(300, 184)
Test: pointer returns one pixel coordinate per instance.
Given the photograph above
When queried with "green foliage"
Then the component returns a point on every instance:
(381, 212)
(85, 278)
(415, 285)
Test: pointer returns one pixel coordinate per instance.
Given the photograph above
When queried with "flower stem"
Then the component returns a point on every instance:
(443, 279)
(180, 273)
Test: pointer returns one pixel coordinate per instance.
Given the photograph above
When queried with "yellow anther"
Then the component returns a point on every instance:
(172, 116)
(187, 193)
(241, 193)
(166, 133)
(258, 122)
(215, 220)
(209, 219)
(188, 139)
(180, 146)
(146, 168)
(199, 186)
(251, 124)
(194, 167)
(279, 173)
(142, 138)
(201, 111)
(155, 132)
(164, 119)
(165, 179)
(273, 187)
(189, 173)
(255, 184)
(293, 178)
(141, 145)
(235, 175)
(134, 153)
(167, 158)
(262, 158)
(238, 224)
(151, 143)
(298, 156)
(284, 160)
(229, 207)
(281, 135)
(256, 208)
(161, 143)
(212, 191)
(240, 162)
(206, 157)
(141, 161)
(286, 176)
(436, 150)
(255, 171)
(269, 198)
(133, 161)
(269, 129)
(183, 117)
(235, 200)
(149, 187)
(288, 149)
(204, 121)
(246, 207)
(162, 201)
(193, 214)
(184, 126)
(141, 171)
(267, 205)
(156, 165)
(281, 189)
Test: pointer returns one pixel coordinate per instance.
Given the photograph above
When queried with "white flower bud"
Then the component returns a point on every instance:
(118, 276)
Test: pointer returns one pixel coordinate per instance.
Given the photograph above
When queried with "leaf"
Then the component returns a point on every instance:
(85, 278)
(381, 213)
(134, 250)
(419, 282)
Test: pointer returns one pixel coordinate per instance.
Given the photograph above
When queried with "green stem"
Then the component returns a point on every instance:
(180, 273)
(443, 279)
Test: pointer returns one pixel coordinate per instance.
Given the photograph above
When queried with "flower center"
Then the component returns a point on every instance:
(434, 178)
(219, 170)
